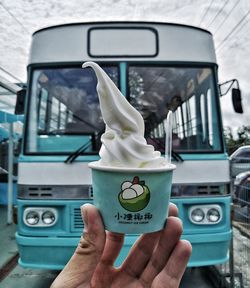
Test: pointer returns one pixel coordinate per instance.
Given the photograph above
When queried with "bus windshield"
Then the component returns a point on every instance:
(64, 111)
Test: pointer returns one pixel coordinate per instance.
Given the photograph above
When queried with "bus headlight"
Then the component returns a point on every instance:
(213, 215)
(205, 214)
(197, 215)
(40, 216)
(32, 218)
(48, 217)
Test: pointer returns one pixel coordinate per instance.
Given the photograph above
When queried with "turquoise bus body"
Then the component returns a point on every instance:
(203, 174)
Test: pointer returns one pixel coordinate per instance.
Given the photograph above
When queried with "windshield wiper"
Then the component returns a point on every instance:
(70, 159)
(79, 151)
(177, 157)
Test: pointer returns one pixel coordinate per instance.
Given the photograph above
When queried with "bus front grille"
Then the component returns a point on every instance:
(182, 190)
(77, 223)
(208, 190)
(55, 192)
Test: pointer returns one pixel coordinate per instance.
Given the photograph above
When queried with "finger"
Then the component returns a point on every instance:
(140, 254)
(142, 251)
(168, 239)
(173, 210)
(82, 264)
(113, 246)
(175, 267)
(94, 235)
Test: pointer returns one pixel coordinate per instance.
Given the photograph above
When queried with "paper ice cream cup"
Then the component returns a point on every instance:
(132, 200)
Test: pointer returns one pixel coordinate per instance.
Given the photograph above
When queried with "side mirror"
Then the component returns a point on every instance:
(236, 94)
(236, 98)
(20, 101)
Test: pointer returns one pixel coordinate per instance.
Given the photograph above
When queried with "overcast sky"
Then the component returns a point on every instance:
(228, 20)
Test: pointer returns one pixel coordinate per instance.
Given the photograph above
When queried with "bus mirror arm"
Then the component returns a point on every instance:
(20, 101)
(236, 94)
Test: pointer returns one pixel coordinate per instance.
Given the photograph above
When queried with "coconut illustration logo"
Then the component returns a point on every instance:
(135, 195)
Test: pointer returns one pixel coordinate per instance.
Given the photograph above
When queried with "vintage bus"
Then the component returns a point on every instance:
(158, 67)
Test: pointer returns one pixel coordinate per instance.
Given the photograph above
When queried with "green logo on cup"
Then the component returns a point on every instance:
(135, 195)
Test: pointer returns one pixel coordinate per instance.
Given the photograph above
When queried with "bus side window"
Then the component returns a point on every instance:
(80, 123)
(54, 119)
(42, 108)
(206, 120)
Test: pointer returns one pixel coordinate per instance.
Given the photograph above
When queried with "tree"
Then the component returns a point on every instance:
(242, 138)
(244, 135)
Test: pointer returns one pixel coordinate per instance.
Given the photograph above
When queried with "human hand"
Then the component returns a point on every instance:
(156, 259)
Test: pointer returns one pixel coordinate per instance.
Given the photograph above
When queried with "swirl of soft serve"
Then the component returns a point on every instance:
(123, 143)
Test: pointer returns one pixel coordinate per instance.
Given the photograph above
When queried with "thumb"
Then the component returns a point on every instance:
(81, 266)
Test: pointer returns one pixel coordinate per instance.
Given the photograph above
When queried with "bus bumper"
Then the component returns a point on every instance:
(54, 252)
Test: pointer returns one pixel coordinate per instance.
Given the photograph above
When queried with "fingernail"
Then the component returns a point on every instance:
(85, 216)
(171, 203)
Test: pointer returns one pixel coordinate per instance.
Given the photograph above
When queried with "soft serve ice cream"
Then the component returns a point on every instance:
(131, 181)
(123, 143)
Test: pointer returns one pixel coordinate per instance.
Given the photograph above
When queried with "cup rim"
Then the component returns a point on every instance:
(96, 165)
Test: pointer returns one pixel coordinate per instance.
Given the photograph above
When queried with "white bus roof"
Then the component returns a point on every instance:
(122, 41)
